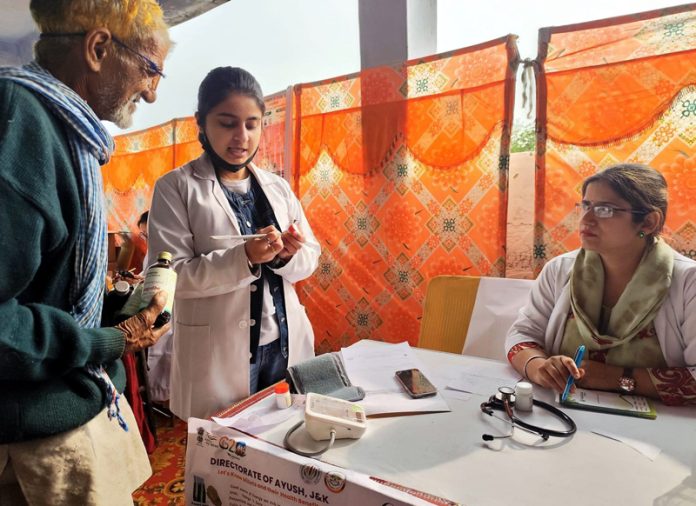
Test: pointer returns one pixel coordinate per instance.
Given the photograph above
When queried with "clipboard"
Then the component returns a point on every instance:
(610, 402)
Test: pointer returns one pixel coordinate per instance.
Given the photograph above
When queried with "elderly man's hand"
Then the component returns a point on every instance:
(139, 330)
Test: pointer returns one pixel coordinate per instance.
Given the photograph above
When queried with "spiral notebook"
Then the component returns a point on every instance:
(610, 402)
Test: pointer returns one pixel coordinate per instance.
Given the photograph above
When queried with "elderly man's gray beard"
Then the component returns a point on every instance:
(119, 114)
(123, 116)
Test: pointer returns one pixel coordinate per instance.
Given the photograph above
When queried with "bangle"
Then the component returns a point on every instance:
(527, 363)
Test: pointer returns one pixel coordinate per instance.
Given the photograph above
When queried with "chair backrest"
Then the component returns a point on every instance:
(449, 302)
(498, 301)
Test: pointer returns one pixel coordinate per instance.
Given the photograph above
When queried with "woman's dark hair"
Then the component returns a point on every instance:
(144, 217)
(641, 186)
(220, 83)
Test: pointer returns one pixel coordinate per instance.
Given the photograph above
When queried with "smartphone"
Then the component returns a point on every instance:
(415, 383)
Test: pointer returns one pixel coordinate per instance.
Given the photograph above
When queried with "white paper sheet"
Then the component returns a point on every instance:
(373, 368)
(449, 393)
(484, 379)
(263, 415)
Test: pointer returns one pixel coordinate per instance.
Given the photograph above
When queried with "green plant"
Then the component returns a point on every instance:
(523, 138)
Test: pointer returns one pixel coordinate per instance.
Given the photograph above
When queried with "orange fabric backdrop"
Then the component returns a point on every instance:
(142, 157)
(611, 91)
(402, 172)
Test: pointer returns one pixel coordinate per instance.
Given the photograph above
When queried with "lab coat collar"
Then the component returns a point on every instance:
(203, 169)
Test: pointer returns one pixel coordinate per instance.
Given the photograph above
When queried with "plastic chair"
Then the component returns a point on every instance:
(449, 302)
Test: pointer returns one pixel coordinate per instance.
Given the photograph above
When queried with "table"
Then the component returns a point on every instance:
(443, 454)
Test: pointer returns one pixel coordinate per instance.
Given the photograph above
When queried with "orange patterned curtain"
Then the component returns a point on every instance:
(402, 171)
(142, 157)
(612, 91)
(139, 159)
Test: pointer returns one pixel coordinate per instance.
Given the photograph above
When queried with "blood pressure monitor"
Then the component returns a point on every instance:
(325, 414)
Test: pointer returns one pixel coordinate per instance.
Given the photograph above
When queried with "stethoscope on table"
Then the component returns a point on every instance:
(504, 400)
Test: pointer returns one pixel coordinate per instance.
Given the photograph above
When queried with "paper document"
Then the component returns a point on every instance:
(485, 378)
(263, 415)
(610, 402)
(373, 368)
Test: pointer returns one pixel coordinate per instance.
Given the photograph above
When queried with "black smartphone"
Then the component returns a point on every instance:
(415, 383)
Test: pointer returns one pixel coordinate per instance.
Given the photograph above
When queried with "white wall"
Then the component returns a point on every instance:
(281, 42)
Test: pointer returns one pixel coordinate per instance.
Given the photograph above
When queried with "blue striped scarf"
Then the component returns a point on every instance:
(90, 146)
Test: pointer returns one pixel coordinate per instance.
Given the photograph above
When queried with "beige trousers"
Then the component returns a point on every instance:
(96, 464)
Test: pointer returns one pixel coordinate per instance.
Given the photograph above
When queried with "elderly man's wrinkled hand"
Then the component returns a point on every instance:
(139, 330)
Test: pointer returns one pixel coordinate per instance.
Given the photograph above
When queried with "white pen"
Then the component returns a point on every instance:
(242, 237)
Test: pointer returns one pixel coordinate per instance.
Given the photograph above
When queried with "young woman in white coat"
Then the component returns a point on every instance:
(626, 295)
(238, 323)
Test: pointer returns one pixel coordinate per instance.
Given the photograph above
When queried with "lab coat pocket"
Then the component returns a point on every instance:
(195, 348)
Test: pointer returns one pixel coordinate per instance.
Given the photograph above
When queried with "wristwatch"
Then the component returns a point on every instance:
(627, 383)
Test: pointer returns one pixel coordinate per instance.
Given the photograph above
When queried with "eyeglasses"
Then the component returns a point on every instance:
(152, 68)
(602, 210)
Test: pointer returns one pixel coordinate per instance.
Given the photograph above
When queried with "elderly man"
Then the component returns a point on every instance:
(66, 435)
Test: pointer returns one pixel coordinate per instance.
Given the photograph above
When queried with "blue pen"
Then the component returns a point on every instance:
(579, 354)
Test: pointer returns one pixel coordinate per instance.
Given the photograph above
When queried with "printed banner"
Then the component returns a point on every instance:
(225, 467)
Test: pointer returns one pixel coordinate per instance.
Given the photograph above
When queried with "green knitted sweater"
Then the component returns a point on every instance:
(43, 387)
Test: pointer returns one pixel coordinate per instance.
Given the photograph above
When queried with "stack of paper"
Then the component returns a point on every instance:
(372, 366)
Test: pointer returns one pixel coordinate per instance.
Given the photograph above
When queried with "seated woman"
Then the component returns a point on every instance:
(626, 295)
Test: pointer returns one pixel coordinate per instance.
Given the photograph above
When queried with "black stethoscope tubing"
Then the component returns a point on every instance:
(505, 405)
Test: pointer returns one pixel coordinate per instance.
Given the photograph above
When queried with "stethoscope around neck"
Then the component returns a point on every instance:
(504, 400)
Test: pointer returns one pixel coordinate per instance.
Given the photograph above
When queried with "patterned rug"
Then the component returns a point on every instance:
(166, 485)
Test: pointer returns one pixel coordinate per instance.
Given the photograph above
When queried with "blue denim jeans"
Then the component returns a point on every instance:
(269, 368)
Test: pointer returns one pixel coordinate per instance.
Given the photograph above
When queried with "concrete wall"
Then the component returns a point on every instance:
(520, 222)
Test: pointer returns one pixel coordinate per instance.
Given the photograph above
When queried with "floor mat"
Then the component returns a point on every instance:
(166, 485)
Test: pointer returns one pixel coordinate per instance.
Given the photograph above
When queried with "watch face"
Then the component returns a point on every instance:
(627, 384)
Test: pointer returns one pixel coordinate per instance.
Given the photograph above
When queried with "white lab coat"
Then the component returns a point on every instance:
(544, 317)
(210, 358)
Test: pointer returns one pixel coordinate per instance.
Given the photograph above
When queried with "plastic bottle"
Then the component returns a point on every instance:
(160, 276)
(524, 396)
(282, 395)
